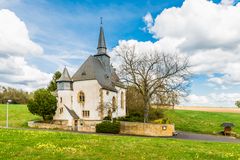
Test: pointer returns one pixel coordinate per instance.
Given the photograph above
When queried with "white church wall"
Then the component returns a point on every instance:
(121, 111)
(107, 99)
(90, 89)
(64, 97)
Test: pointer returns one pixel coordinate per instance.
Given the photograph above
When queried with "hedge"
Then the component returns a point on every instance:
(108, 127)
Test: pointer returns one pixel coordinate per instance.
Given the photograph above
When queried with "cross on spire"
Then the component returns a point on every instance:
(102, 49)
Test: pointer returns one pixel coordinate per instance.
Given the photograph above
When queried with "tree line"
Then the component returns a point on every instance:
(18, 96)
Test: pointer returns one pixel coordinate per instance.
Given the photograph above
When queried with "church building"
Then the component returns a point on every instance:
(92, 93)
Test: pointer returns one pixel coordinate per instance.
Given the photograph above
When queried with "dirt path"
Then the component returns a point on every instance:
(210, 109)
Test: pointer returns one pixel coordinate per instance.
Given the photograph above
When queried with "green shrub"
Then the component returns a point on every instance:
(107, 118)
(108, 127)
(155, 114)
(163, 121)
(133, 117)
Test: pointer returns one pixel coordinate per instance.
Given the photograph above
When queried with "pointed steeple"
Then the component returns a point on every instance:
(102, 49)
(65, 77)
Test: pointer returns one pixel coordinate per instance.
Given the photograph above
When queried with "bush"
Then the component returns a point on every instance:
(107, 118)
(43, 104)
(155, 114)
(108, 127)
(133, 117)
(163, 121)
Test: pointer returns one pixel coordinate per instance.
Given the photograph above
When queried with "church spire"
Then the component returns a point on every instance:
(65, 77)
(102, 49)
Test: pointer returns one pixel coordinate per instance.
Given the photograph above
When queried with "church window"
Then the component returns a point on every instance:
(61, 110)
(81, 97)
(114, 104)
(107, 92)
(85, 113)
(60, 99)
(122, 100)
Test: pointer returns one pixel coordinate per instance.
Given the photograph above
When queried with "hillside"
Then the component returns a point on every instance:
(202, 122)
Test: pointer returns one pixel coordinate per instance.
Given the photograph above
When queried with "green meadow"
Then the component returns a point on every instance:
(18, 115)
(37, 144)
(28, 144)
(202, 122)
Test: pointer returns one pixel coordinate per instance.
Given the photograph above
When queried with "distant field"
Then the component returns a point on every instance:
(20, 144)
(202, 122)
(18, 115)
(209, 109)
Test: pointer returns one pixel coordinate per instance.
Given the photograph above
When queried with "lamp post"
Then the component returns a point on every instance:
(8, 101)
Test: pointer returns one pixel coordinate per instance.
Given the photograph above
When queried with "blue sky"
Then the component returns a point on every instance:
(67, 31)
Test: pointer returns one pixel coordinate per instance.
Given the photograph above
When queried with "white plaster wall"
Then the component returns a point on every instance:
(92, 98)
(121, 112)
(66, 99)
(91, 89)
(107, 98)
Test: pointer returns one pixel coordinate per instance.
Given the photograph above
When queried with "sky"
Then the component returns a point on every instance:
(40, 37)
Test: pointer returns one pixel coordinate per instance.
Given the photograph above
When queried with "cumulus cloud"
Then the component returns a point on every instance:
(208, 33)
(205, 31)
(227, 2)
(212, 99)
(14, 38)
(15, 45)
(148, 21)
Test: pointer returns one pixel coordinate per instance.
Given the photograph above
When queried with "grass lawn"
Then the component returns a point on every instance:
(18, 115)
(202, 122)
(27, 144)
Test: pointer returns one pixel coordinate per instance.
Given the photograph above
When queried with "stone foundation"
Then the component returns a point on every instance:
(35, 124)
(88, 126)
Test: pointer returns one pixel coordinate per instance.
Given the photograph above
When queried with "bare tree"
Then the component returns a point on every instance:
(107, 109)
(153, 73)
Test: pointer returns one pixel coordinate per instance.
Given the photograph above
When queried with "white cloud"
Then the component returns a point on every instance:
(15, 45)
(212, 99)
(16, 72)
(207, 32)
(227, 2)
(148, 20)
(14, 37)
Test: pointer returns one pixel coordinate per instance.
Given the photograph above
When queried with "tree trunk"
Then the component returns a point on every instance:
(44, 118)
(146, 110)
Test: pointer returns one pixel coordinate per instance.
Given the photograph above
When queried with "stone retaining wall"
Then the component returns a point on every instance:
(130, 128)
(88, 126)
(35, 124)
(147, 129)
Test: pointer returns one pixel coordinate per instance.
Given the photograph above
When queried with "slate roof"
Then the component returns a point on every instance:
(72, 113)
(93, 69)
(65, 77)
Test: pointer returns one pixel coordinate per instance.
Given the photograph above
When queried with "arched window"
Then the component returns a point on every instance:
(122, 100)
(81, 97)
(113, 103)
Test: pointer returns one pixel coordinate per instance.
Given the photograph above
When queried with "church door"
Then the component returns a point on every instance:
(75, 125)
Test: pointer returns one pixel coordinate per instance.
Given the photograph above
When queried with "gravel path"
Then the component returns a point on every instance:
(205, 137)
